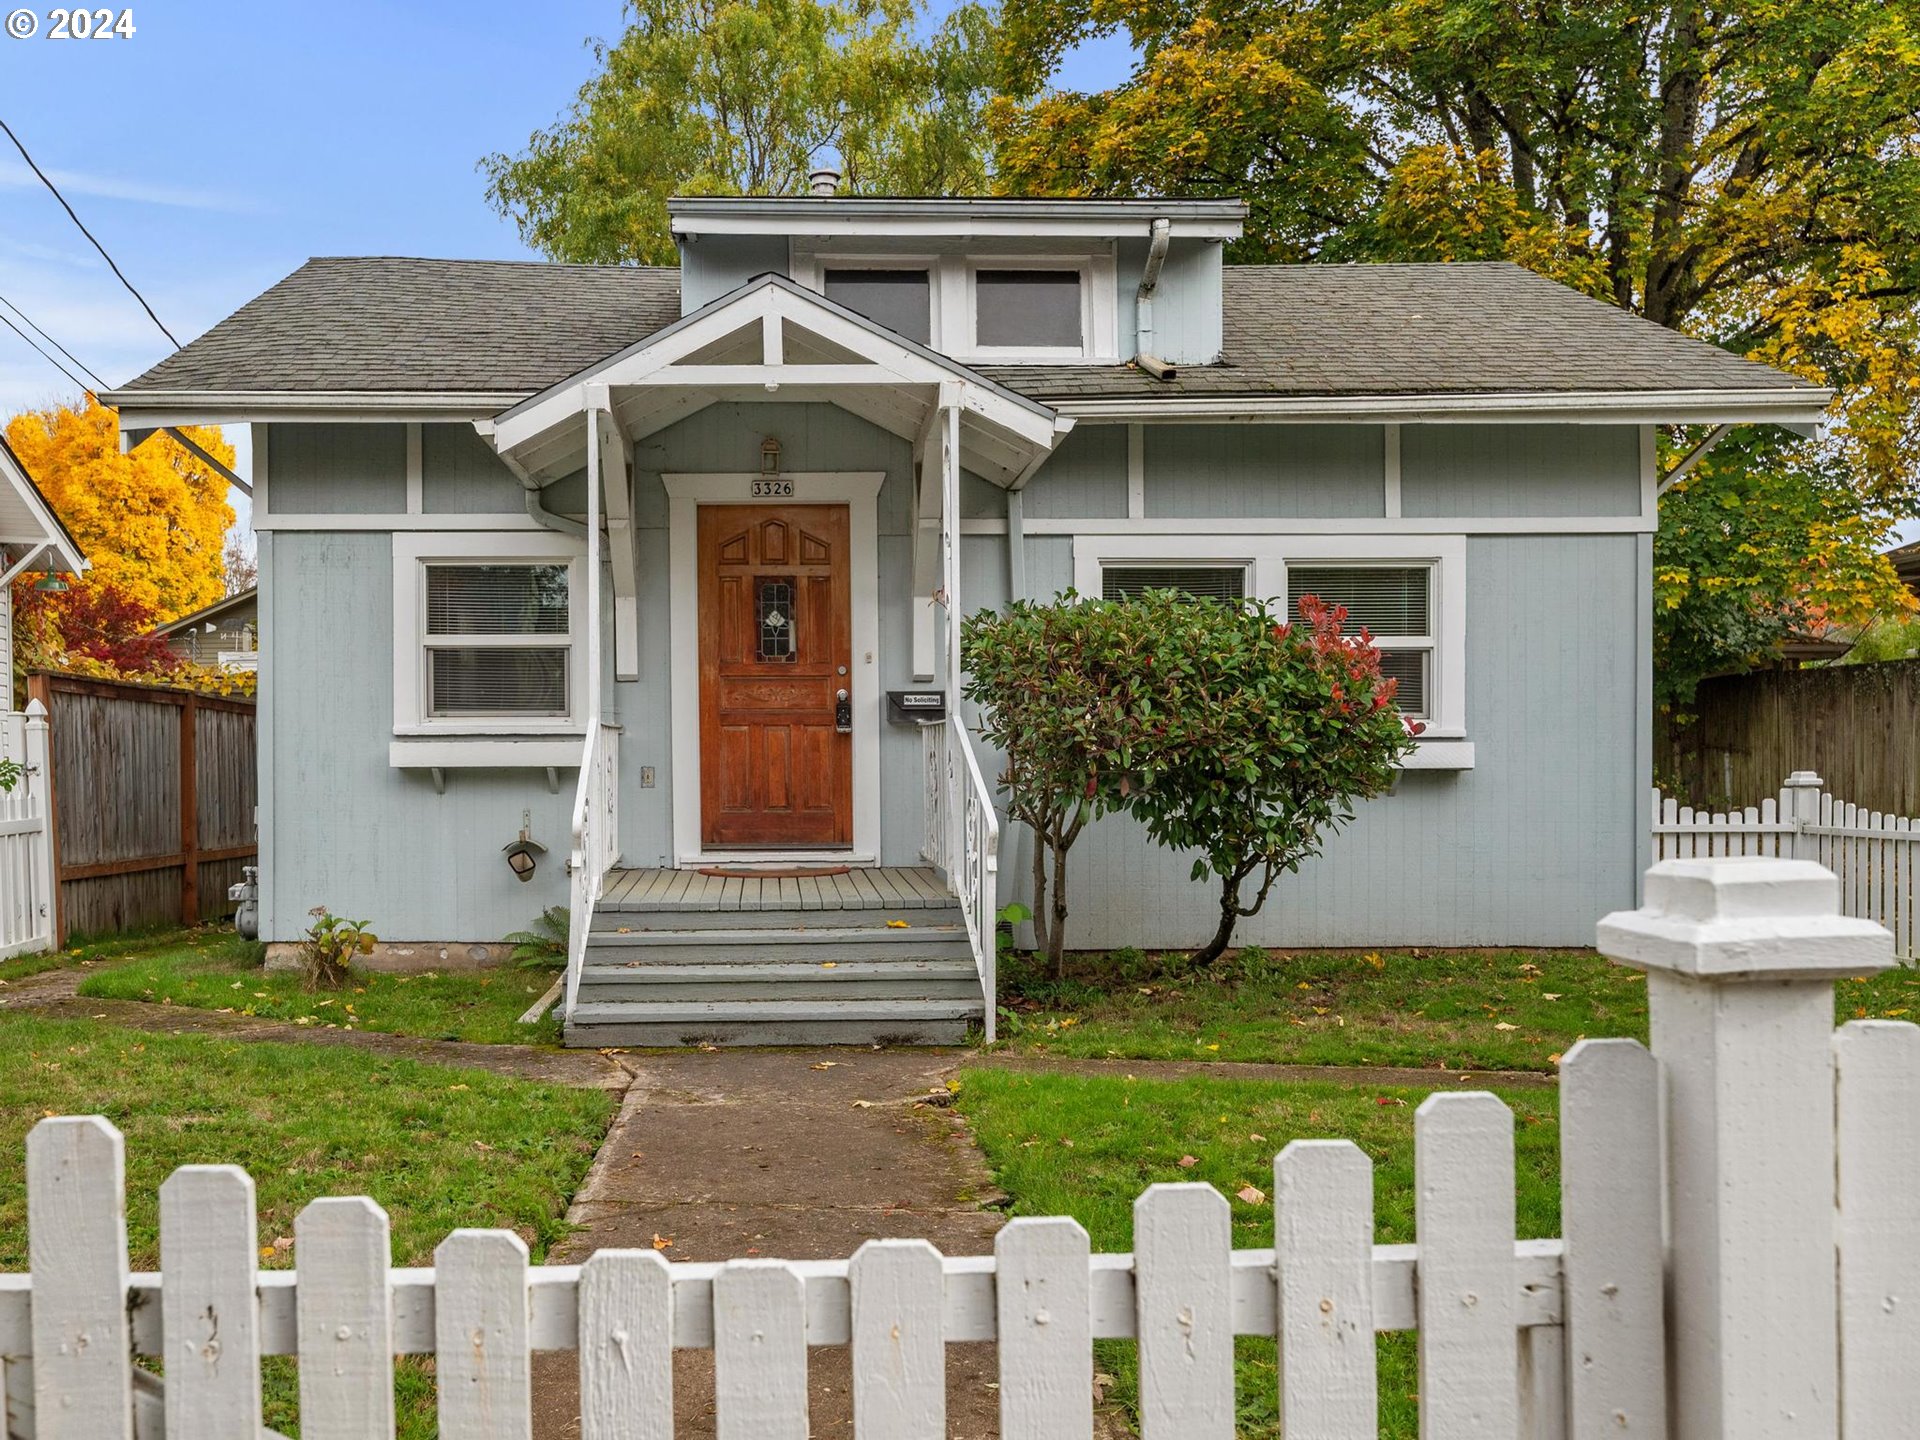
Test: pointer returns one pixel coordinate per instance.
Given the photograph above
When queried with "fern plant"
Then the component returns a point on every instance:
(544, 945)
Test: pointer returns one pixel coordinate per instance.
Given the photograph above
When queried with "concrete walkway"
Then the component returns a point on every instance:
(751, 1152)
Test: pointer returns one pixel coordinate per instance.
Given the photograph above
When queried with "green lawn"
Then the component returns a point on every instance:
(1464, 1009)
(438, 1147)
(212, 970)
(1086, 1146)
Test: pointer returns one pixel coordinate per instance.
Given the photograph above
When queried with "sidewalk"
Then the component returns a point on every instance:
(747, 1152)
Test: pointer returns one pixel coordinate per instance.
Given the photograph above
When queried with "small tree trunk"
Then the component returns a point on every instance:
(1040, 930)
(1057, 946)
(1229, 916)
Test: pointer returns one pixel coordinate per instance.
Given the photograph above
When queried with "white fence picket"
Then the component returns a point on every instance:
(485, 1370)
(344, 1314)
(759, 1352)
(1463, 1214)
(899, 1340)
(1612, 1291)
(626, 1346)
(208, 1261)
(1043, 1297)
(77, 1251)
(1183, 1304)
(1323, 1252)
(1877, 1086)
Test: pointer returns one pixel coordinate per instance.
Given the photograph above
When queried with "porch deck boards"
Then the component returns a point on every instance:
(889, 887)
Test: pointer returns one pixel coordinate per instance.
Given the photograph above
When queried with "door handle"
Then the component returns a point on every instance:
(842, 712)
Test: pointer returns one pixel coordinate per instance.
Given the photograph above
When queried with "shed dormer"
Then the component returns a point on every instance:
(986, 281)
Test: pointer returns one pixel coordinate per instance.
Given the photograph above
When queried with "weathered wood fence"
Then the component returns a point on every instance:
(1726, 1181)
(1875, 856)
(26, 850)
(153, 794)
(1855, 724)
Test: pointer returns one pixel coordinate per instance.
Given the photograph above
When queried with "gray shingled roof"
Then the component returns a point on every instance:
(466, 326)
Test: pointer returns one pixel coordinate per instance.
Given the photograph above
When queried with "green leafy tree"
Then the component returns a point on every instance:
(1747, 172)
(744, 97)
(1258, 737)
(1058, 685)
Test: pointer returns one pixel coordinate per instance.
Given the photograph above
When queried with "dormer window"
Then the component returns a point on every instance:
(899, 298)
(1029, 310)
(1002, 305)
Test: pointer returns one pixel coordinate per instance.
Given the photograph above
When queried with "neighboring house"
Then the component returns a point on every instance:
(32, 540)
(696, 527)
(1906, 564)
(220, 636)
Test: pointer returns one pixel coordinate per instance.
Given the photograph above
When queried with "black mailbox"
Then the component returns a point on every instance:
(916, 707)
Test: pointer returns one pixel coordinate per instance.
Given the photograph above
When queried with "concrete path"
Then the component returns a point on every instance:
(749, 1152)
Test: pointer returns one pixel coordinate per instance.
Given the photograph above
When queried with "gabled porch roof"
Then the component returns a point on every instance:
(772, 339)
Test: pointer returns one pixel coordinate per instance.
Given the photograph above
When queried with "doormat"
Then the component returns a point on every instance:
(742, 872)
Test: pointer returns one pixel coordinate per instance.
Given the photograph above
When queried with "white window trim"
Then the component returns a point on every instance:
(1097, 320)
(821, 262)
(412, 551)
(1267, 557)
(952, 281)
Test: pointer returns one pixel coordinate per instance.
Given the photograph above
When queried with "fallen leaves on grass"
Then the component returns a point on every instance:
(1187, 1162)
(1252, 1194)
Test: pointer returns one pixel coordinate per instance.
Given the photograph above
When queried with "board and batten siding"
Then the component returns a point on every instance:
(1541, 837)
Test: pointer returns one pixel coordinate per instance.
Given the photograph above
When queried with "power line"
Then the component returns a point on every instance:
(55, 190)
(43, 354)
(78, 363)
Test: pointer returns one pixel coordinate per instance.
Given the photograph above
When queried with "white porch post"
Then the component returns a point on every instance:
(949, 427)
(598, 404)
(1741, 955)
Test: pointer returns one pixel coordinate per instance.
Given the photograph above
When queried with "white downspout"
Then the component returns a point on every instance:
(1143, 355)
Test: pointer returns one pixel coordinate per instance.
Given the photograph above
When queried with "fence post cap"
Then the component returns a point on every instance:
(1805, 780)
(36, 710)
(1744, 918)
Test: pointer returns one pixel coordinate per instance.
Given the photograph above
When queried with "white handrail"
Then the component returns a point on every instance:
(584, 876)
(964, 834)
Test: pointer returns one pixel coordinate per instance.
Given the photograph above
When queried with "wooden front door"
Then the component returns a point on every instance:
(776, 649)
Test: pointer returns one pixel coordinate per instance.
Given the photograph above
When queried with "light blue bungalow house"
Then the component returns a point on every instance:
(658, 571)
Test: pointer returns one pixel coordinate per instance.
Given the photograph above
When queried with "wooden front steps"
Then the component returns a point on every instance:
(874, 956)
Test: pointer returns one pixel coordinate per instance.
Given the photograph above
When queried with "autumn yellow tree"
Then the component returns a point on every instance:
(153, 522)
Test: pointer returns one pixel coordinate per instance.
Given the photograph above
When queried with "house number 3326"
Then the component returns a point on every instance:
(773, 489)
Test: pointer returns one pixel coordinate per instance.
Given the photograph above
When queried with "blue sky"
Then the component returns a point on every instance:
(225, 143)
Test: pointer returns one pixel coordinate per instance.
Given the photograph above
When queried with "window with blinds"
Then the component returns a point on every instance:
(1394, 603)
(498, 641)
(1201, 582)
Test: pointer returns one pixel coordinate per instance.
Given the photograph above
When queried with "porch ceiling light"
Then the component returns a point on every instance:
(770, 456)
(521, 856)
(50, 583)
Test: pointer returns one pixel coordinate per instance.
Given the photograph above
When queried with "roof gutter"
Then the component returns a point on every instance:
(1801, 410)
(533, 492)
(1143, 356)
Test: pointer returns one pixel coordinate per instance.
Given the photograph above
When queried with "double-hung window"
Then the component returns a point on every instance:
(487, 634)
(1407, 591)
(1394, 603)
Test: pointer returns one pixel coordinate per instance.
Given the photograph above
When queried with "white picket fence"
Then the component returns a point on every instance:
(26, 839)
(1772, 1147)
(1876, 856)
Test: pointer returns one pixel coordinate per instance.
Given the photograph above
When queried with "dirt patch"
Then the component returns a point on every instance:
(584, 1068)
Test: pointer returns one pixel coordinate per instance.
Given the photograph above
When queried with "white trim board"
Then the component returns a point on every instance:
(399, 523)
(1266, 559)
(1801, 409)
(1354, 525)
(859, 491)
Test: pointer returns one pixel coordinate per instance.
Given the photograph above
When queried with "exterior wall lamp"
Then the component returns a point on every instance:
(770, 456)
(522, 854)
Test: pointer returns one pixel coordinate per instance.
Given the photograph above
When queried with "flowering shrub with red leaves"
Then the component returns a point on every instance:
(1222, 727)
